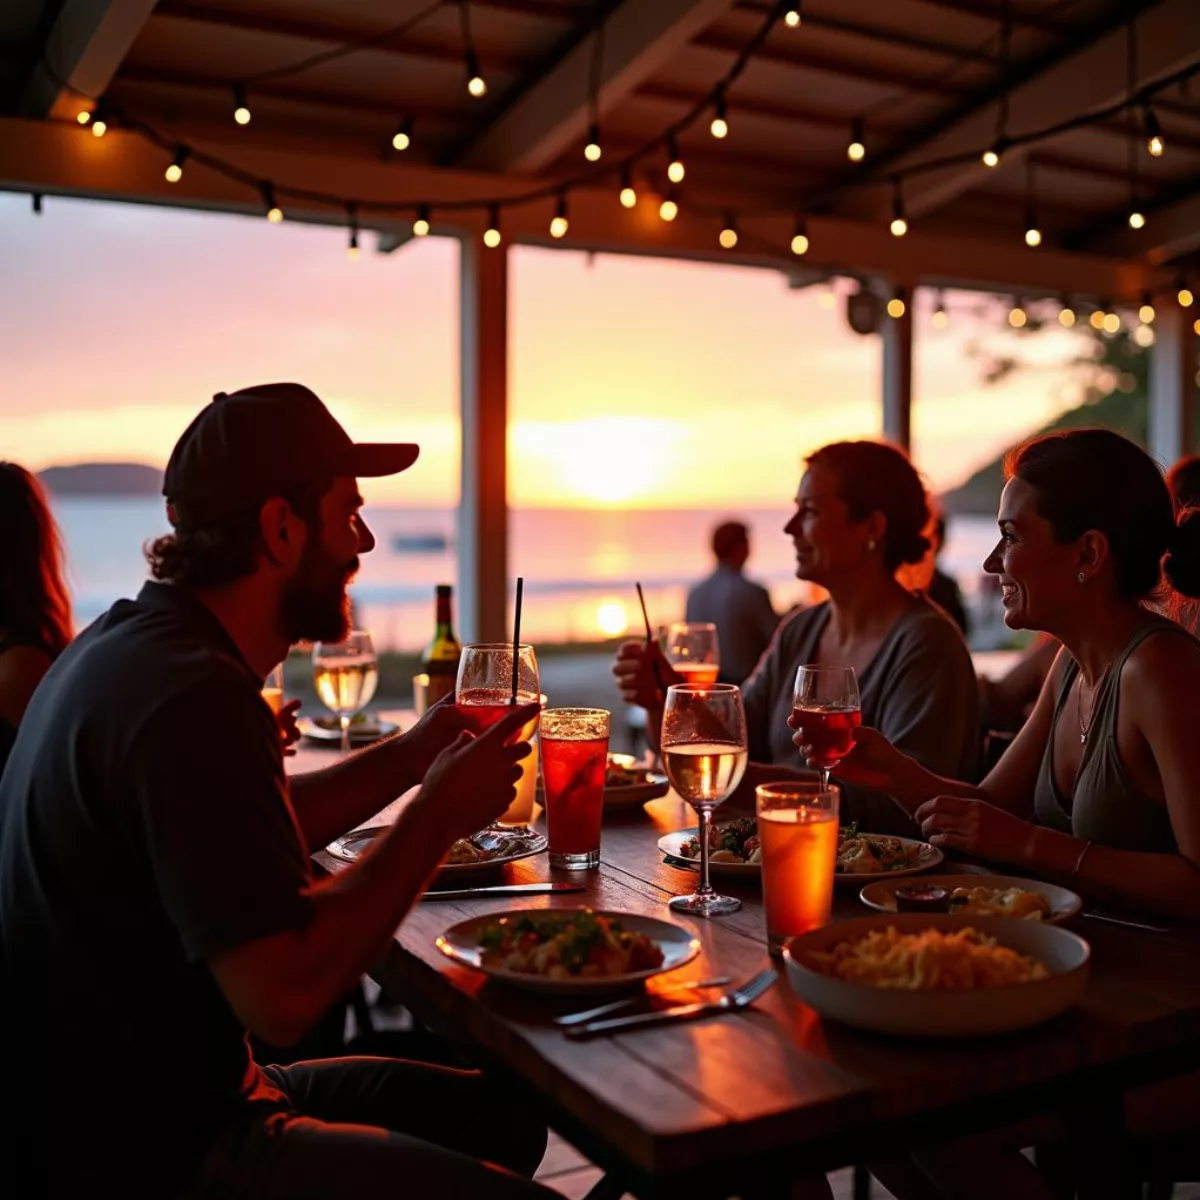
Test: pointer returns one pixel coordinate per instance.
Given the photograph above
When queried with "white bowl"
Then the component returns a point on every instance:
(1064, 904)
(945, 1014)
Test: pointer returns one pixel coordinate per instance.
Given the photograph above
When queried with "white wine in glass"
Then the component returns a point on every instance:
(705, 749)
(346, 674)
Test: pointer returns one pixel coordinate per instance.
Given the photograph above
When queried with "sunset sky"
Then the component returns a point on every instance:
(635, 382)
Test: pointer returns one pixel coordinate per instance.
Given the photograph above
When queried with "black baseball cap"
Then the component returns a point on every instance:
(250, 445)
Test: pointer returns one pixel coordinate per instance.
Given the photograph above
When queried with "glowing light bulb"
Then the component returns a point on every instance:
(1156, 146)
(856, 151)
(83, 116)
(1185, 297)
(668, 209)
(275, 214)
(1137, 219)
(991, 158)
(1143, 335)
(676, 170)
(628, 196)
(896, 308)
(421, 224)
(1196, 326)
(99, 127)
(592, 150)
(352, 252)
(559, 227)
(1112, 322)
(719, 127)
(1146, 313)
(800, 244)
(792, 18)
(1096, 320)
(728, 237)
(899, 227)
(1033, 236)
(1066, 317)
(492, 238)
(477, 86)
(1017, 317)
(241, 110)
(174, 173)
(401, 139)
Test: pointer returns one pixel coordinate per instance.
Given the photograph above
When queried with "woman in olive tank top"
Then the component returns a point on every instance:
(1099, 789)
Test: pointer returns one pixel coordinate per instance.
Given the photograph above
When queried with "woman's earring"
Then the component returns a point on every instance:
(1081, 577)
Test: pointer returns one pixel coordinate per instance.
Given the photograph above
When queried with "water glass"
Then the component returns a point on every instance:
(798, 837)
(705, 749)
(346, 674)
(827, 709)
(574, 745)
(691, 649)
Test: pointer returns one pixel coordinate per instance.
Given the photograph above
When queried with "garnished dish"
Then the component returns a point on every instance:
(479, 854)
(934, 975)
(580, 944)
(928, 959)
(734, 848)
(569, 949)
(975, 896)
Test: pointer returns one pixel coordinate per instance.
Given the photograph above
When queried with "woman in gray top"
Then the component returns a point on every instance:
(860, 515)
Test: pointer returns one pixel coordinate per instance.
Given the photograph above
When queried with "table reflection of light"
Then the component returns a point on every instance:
(611, 618)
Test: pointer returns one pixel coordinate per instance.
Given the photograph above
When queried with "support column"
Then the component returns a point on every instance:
(1172, 385)
(483, 508)
(897, 373)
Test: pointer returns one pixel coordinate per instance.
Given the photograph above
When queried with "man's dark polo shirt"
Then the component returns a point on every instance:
(145, 826)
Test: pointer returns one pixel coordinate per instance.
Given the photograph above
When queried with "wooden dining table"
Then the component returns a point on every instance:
(773, 1093)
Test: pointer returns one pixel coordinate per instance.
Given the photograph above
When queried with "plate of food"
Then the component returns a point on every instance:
(365, 727)
(975, 896)
(933, 975)
(569, 950)
(479, 854)
(861, 857)
(628, 785)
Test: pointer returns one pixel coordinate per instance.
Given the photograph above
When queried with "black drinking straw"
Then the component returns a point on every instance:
(517, 639)
(650, 638)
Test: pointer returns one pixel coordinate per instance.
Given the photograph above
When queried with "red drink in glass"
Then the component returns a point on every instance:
(483, 707)
(829, 730)
(696, 674)
(574, 750)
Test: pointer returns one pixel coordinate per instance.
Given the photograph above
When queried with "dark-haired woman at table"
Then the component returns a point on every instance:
(35, 610)
(861, 518)
(1099, 788)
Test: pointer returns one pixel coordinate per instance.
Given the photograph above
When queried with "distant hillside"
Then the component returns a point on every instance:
(1125, 412)
(103, 479)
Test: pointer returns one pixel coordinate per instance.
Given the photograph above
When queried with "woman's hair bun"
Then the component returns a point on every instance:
(1182, 563)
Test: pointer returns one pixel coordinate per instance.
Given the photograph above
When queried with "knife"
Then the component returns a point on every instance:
(504, 889)
(1111, 920)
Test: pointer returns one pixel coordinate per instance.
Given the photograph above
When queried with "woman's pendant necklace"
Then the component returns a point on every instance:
(1084, 730)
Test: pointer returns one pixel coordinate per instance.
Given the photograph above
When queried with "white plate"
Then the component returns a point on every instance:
(672, 843)
(1064, 904)
(361, 736)
(351, 847)
(461, 943)
(945, 1014)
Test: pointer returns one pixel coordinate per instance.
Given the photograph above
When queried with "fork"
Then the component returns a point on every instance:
(734, 1001)
(606, 1010)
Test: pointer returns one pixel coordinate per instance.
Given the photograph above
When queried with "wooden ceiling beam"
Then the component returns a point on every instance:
(550, 113)
(84, 50)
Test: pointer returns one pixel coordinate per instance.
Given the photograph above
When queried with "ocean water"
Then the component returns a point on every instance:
(579, 565)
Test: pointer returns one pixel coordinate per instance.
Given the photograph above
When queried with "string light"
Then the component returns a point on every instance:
(899, 222)
(592, 150)
(1112, 322)
(1017, 316)
(1066, 314)
(352, 221)
(1154, 138)
(991, 158)
(800, 237)
(273, 211)
(1146, 312)
(1033, 234)
(241, 110)
(1137, 218)
(492, 237)
(83, 116)
(1196, 326)
(729, 234)
(100, 119)
(629, 197)
(1096, 320)
(1184, 295)
(669, 208)
(174, 173)
(402, 138)
(856, 150)
(675, 168)
(476, 84)
(896, 308)
(793, 18)
(559, 225)
(1143, 336)
(421, 224)
(720, 126)
(940, 317)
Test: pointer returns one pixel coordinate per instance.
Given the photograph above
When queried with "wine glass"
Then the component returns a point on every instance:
(346, 674)
(705, 750)
(826, 706)
(691, 649)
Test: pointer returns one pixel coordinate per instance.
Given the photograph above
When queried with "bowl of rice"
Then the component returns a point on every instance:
(938, 976)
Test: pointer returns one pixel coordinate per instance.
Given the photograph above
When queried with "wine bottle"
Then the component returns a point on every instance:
(440, 660)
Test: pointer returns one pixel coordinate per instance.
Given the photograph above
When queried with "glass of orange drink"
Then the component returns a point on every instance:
(798, 834)
(691, 649)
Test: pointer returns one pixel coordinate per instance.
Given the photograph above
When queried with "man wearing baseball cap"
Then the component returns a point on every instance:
(156, 896)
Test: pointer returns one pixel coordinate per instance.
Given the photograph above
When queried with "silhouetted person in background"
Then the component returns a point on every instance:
(740, 610)
(943, 589)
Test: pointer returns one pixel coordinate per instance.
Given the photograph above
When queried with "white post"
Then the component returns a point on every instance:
(897, 374)
(483, 508)
(1172, 385)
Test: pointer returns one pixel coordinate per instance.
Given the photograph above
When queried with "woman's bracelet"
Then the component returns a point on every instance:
(1079, 861)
